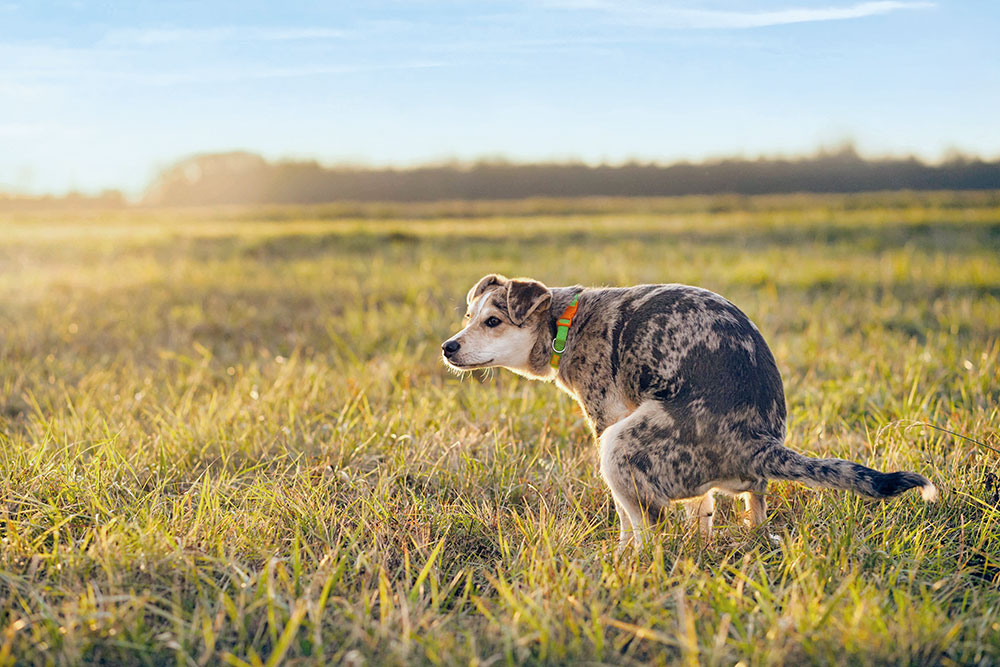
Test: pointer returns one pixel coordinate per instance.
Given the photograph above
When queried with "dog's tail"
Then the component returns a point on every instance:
(779, 462)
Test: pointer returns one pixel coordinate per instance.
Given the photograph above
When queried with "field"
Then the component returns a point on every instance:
(226, 437)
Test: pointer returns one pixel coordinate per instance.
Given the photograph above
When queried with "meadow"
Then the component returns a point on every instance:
(226, 437)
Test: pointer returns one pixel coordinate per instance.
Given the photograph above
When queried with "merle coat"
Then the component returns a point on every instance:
(679, 387)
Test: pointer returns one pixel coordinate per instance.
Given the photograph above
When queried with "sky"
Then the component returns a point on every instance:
(99, 94)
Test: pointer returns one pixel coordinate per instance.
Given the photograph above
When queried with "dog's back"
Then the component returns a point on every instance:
(690, 350)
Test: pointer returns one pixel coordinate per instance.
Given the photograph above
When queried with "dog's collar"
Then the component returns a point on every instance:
(562, 330)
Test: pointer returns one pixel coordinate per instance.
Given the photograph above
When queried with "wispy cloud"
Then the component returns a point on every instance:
(34, 70)
(674, 17)
(235, 74)
(153, 36)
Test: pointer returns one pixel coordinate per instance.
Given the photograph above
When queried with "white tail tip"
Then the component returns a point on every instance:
(929, 492)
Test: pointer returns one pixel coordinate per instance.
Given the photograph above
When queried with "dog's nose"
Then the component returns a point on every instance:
(450, 347)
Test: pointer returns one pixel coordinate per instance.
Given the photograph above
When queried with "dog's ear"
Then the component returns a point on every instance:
(484, 284)
(525, 297)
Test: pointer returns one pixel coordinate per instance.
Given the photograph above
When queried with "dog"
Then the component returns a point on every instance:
(677, 385)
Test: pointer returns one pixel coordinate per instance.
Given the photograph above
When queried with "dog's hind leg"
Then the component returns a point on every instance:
(756, 504)
(755, 501)
(642, 478)
(703, 510)
(620, 473)
(625, 526)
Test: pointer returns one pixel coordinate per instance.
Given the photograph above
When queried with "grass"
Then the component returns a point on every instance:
(226, 438)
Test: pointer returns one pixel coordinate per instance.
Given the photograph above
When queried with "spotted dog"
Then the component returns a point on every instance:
(677, 384)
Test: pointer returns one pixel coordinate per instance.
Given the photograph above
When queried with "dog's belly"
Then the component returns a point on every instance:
(727, 486)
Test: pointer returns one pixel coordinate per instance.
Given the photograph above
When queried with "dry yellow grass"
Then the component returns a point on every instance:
(226, 436)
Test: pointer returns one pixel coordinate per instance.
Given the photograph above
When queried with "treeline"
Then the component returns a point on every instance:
(245, 178)
(74, 201)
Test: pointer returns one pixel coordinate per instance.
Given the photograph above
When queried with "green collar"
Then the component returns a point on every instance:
(562, 330)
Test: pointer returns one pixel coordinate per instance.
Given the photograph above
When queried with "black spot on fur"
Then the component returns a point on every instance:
(642, 430)
(580, 321)
(616, 336)
(640, 461)
(668, 391)
(645, 380)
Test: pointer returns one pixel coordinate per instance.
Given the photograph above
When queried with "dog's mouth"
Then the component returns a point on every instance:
(467, 366)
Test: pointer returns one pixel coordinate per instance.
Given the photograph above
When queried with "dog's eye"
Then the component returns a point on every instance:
(492, 322)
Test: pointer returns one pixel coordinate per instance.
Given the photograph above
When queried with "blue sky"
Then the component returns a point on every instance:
(97, 94)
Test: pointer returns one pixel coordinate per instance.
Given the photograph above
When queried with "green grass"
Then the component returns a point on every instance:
(227, 437)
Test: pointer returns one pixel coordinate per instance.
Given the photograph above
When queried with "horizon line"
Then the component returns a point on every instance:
(823, 151)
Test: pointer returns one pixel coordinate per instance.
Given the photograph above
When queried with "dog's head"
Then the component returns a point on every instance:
(506, 324)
